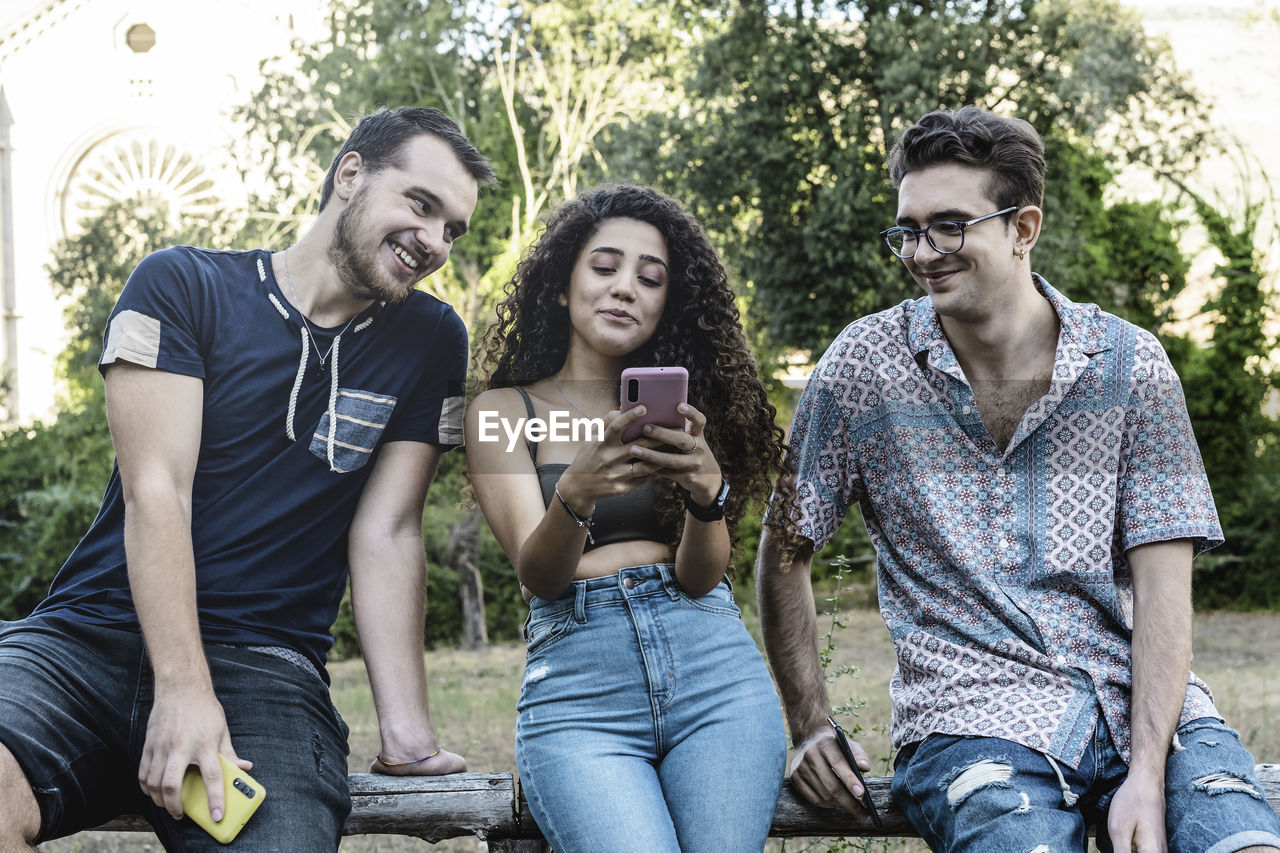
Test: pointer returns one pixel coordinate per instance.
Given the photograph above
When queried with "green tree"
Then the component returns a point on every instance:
(1227, 383)
(792, 108)
(52, 474)
(782, 148)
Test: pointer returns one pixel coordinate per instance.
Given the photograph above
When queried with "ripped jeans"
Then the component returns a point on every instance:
(990, 794)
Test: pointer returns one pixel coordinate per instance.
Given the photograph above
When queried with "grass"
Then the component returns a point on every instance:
(473, 697)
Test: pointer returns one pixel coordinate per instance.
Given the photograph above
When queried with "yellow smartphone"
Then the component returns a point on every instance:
(242, 792)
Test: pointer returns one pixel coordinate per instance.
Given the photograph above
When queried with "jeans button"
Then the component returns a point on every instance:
(630, 583)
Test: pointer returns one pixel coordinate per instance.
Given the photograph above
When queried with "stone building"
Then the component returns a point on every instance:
(110, 99)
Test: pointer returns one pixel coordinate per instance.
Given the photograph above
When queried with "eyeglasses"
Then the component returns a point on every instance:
(946, 237)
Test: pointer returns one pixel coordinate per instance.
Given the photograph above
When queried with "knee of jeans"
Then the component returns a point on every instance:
(1226, 782)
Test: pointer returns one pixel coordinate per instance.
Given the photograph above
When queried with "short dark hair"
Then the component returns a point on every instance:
(379, 139)
(1009, 148)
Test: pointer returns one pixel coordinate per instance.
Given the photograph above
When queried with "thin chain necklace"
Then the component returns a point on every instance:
(297, 303)
(556, 382)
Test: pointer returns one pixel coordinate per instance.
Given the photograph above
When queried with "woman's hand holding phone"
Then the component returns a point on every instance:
(606, 468)
(682, 456)
(646, 438)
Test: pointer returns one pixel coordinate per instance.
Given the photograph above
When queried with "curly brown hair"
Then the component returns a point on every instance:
(700, 330)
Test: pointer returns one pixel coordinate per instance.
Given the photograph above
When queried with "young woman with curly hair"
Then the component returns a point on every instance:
(647, 720)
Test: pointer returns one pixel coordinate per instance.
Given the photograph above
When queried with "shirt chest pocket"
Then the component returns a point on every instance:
(348, 440)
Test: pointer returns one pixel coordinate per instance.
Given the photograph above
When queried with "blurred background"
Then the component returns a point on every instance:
(128, 125)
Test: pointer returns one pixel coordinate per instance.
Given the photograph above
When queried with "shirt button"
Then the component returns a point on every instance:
(630, 583)
(1001, 472)
(966, 409)
(1061, 660)
(1004, 543)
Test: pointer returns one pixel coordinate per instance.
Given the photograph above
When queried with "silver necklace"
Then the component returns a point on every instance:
(297, 303)
(556, 382)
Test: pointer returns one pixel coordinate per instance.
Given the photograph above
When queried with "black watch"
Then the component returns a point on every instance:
(715, 511)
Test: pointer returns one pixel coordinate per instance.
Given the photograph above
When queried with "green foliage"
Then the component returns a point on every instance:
(52, 474)
(504, 607)
(1226, 384)
(51, 481)
(781, 151)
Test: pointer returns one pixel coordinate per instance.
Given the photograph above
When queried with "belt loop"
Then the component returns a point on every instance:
(668, 573)
(580, 602)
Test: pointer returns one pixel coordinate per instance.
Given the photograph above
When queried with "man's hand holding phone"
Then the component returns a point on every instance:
(241, 795)
(818, 772)
(188, 746)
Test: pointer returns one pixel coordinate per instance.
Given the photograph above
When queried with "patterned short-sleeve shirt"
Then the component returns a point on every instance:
(1002, 573)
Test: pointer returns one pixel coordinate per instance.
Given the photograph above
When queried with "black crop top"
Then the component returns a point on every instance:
(619, 519)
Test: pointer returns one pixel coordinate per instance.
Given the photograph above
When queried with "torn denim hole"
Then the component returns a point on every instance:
(982, 774)
(1223, 782)
(1043, 848)
(1025, 808)
(538, 673)
(317, 751)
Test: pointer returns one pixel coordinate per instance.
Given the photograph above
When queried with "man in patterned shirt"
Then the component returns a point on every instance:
(1027, 472)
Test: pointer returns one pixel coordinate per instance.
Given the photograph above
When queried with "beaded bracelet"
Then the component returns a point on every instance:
(386, 763)
(584, 523)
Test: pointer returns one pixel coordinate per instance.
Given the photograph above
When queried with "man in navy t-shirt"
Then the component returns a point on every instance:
(277, 419)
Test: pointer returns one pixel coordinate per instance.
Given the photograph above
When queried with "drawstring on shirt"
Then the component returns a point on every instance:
(304, 357)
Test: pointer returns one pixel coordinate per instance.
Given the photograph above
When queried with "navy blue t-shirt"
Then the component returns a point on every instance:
(270, 514)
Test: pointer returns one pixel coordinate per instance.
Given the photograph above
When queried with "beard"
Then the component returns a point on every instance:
(357, 263)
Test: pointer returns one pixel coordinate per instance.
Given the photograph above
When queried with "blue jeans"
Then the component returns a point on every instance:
(74, 704)
(988, 794)
(647, 720)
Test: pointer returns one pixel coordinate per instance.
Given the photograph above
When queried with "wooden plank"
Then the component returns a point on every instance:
(488, 806)
(795, 817)
(1269, 777)
(433, 807)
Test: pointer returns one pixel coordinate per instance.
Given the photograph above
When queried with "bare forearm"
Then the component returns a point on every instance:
(157, 534)
(702, 556)
(788, 620)
(155, 420)
(388, 599)
(548, 559)
(1162, 629)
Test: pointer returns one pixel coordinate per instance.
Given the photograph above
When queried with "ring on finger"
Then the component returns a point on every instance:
(631, 469)
(695, 445)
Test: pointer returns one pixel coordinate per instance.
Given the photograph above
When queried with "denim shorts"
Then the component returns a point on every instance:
(985, 794)
(74, 704)
(647, 720)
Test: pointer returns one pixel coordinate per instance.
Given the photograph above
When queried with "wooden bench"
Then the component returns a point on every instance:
(490, 807)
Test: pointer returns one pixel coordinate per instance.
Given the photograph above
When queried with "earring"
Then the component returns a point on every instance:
(1021, 253)
(563, 300)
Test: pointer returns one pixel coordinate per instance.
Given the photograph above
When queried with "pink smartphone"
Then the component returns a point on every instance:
(661, 390)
